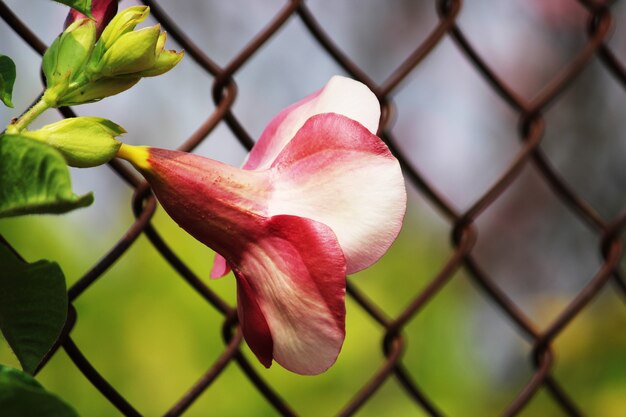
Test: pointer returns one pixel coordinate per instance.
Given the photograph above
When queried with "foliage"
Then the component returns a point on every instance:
(35, 179)
(33, 306)
(7, 79)
(83, 6)
(23, 396)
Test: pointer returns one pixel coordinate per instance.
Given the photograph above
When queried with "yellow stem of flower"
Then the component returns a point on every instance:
(136, 155)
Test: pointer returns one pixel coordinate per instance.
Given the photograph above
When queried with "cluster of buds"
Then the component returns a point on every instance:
(81, 68)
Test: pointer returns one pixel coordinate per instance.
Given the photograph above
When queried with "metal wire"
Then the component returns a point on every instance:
(462, 223)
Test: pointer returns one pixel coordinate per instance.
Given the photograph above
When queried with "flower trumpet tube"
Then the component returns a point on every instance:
(322, 197)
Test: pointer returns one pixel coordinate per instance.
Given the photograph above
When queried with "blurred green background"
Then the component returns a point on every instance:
(151, 336)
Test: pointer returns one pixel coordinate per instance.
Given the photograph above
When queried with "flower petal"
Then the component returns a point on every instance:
(295, 278)
(253, 323)
(336, 172)
(291, 271)
(341, 95)
(101, 10)
(220, 267)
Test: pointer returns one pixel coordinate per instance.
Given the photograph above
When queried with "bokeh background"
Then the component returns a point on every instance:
(151, 335)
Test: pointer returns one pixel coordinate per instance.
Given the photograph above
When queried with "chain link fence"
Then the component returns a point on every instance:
(462, 224)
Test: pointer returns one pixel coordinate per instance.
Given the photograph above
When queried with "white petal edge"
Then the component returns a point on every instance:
(357, 190)
(341, 95)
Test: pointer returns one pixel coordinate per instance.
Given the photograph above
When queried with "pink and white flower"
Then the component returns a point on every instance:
(320, 196)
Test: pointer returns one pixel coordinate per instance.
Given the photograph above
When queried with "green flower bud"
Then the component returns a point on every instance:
(160, 46)
(69, 52)
(83, 141)
(80, 70)
(132, 52)
(165, 61)
(97, 90)
(124, 22)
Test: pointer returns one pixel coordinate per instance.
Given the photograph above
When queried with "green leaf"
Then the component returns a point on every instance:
(33, 306)
(34, 179)
(7, 79)
(23, 396)
(83, 6)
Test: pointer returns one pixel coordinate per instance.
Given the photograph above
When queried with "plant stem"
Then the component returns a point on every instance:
(28, 117)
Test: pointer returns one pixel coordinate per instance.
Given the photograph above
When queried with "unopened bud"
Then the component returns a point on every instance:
(124, 22)
(101, 10)
(83, 141)
(80, 70)
(165, 61)
(97, 90)
(132, 52)
(69, 52)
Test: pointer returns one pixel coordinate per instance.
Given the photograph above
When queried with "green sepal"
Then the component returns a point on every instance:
(69, 53)
(49, 62)
(97, 90)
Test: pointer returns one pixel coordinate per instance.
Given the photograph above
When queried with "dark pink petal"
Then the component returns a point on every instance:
(253, 324)
(341, 95)
(296, 273)
(336, 172)
(102, 11)
(290, 270)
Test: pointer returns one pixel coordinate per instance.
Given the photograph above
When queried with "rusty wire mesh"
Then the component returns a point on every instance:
(462, 223)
